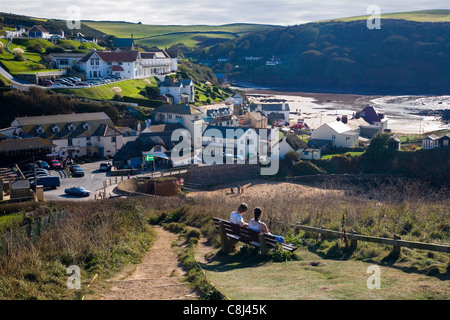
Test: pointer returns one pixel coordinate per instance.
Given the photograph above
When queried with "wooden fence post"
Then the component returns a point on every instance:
(263, 244)
(397, 249)
(323, 236)
(353, 242)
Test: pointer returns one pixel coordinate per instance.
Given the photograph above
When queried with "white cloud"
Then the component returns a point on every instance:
(282, 12)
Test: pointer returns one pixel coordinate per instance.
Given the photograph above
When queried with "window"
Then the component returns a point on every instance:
(71, 127)
(158, 149)
(170, 116)
(113, 139)
(109, 63)
(333, 137)
(55, 129)
(120, 63)
(69, 142)
(95, 61)
(347, 138)
(40, 130)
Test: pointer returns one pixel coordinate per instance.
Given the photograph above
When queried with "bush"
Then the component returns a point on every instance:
(278, 254)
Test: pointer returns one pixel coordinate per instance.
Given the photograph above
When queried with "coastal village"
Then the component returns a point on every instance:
(158, 141)
(77, 137)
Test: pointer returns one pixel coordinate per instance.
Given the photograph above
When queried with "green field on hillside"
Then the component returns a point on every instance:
(166, 36)
(130, 88)
(420, 16)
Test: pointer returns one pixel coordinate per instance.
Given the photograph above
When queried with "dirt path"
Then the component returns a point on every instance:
(157, 277)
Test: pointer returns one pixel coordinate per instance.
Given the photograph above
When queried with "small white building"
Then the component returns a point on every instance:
(338, 133)
(178, 90)
(38, 32)
(65, 60)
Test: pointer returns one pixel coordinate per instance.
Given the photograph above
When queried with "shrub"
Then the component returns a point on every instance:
(278, 254)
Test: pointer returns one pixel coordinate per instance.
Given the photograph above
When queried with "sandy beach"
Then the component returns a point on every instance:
(405, 113)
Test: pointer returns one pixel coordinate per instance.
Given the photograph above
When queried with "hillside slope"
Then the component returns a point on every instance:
(403, 56)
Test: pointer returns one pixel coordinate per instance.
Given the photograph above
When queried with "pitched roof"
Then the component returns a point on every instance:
(175, 83)
(295, 142)
(370, 115)
(112, 56)
(176, 109)
(123, 42)
(154, 55)
(338, 126)
(166, 127)
(270, 106)
(62, 118)
(116, 68)
(24, 144)
(38, 28)
(144, 143)
(99, 124)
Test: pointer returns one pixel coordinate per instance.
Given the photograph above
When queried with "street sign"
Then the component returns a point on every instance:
(149, 158)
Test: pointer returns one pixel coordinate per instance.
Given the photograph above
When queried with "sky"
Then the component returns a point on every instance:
(212, 12)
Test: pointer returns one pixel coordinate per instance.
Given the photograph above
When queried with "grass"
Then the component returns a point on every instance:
(420, 16)
(348, 154)
(100, 239)
(202, 95)
(247, 277)
(166, 36)
(9, 220)
(130, 88)
(69, 44)
(33, 62)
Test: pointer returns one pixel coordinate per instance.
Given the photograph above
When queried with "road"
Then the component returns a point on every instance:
(92, 180)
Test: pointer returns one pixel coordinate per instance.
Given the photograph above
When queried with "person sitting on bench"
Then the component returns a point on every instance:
(255, 224)
(236, 217)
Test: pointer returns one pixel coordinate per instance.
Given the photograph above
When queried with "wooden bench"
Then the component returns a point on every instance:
(231, 233)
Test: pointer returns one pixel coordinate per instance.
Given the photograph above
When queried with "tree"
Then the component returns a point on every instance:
(152, 92)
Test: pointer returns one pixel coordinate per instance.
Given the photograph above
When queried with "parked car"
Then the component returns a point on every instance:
(77, 191)
(47, 182)
(55, 164)
(105, 166)
(43, 165)
(38, 170)
(77, 171)
(46, 83)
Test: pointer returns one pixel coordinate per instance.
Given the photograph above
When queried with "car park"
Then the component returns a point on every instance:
(77, 191)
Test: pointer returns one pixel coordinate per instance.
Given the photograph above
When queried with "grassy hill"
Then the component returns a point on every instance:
(52, 25)
(419, 16)
(402, 57)
(166, 36)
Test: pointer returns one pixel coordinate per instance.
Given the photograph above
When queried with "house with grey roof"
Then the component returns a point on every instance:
(178, 90)
(273, 111)
(339, 134)
(73, 135)
(434, 141)
(159, 144)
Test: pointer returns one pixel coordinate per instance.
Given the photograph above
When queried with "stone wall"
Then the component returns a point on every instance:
(222, 174)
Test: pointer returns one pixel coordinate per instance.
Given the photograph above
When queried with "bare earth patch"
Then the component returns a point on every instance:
(158, 277)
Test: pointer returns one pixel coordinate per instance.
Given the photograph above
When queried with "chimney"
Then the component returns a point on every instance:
(358, 115)
(344, 119)
(139, 127)
(283, 106)
(381, 115)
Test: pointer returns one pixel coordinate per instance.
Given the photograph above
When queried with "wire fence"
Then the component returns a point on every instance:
(10, 240)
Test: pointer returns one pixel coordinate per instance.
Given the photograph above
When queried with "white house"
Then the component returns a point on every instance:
(73, 135)
(178, 90)
(38, 32)
(338, 133)
(127, 64)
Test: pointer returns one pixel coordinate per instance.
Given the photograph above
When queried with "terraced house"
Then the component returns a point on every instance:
(127, 64)
(74, 135)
